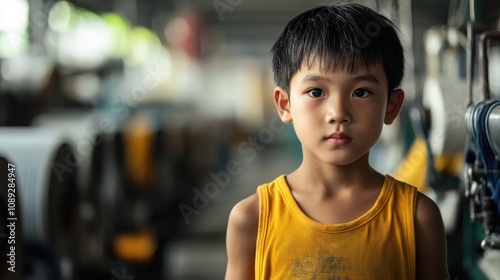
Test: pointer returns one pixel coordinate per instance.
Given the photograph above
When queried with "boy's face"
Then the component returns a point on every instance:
(338, 116)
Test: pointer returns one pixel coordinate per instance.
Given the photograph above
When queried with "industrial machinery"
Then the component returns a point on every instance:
(483, 157)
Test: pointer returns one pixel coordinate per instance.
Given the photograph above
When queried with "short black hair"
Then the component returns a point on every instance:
(344, 36)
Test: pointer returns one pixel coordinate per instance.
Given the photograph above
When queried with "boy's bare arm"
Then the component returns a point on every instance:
(241, 239)
(430, 240)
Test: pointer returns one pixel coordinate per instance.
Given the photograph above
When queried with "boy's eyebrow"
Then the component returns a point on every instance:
(363, 77)
(315, 78)
(367, 77)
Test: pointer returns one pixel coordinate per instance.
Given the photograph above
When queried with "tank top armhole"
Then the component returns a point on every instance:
(411, 201)
(263, 194)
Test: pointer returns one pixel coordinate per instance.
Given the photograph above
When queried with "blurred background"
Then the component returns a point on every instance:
(129, 129)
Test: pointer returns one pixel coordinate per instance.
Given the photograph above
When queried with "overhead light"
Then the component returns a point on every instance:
(60, 16)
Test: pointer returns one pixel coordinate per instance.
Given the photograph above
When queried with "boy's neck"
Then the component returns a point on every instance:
(314, 174)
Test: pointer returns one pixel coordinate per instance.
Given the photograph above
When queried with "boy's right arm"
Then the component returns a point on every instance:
(241, 239)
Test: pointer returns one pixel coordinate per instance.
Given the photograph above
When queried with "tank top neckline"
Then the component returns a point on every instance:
(383, 197)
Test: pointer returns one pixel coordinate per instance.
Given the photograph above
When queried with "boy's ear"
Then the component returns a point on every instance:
(282, 102)
(394, 105)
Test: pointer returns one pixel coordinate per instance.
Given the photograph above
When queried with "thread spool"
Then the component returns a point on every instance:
(493, 129)
(446, 100)
(86, 137)
(6, 232)
(445, 93)
(48, 194)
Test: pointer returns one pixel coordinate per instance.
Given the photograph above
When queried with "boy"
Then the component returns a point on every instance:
(337, 70)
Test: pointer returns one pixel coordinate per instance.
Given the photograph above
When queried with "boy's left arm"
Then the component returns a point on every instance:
(430, 238)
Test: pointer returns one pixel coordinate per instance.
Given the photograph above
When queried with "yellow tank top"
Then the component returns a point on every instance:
(378, 245)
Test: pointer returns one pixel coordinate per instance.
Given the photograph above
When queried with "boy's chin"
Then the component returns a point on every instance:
(342, 161)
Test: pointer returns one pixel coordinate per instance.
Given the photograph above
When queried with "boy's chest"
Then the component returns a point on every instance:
(337, 210)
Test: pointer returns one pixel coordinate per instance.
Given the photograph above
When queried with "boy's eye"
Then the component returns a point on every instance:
(361, 93)
(316, 92)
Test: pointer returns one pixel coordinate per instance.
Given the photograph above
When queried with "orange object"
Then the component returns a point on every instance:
(139, 143)
(136, 247)
(413, 169)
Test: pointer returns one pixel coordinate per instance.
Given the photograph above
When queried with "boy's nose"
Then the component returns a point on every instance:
(338, 111)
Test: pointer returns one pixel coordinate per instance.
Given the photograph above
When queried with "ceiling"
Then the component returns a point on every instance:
(240, 19)
(255, 20)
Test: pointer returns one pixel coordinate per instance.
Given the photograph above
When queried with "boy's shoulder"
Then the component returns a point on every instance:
(245, 214)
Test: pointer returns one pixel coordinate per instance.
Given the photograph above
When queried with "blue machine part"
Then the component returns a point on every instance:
(483, 127)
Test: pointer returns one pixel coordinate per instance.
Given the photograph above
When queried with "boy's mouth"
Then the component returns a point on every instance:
(338, 135)
(338, 139)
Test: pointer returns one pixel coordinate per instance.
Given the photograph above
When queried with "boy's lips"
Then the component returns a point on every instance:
(338, 139)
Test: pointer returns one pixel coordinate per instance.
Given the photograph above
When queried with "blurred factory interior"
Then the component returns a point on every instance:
(129, 129)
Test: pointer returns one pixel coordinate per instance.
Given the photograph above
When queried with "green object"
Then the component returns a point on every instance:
(120, 29)
(143, 45)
